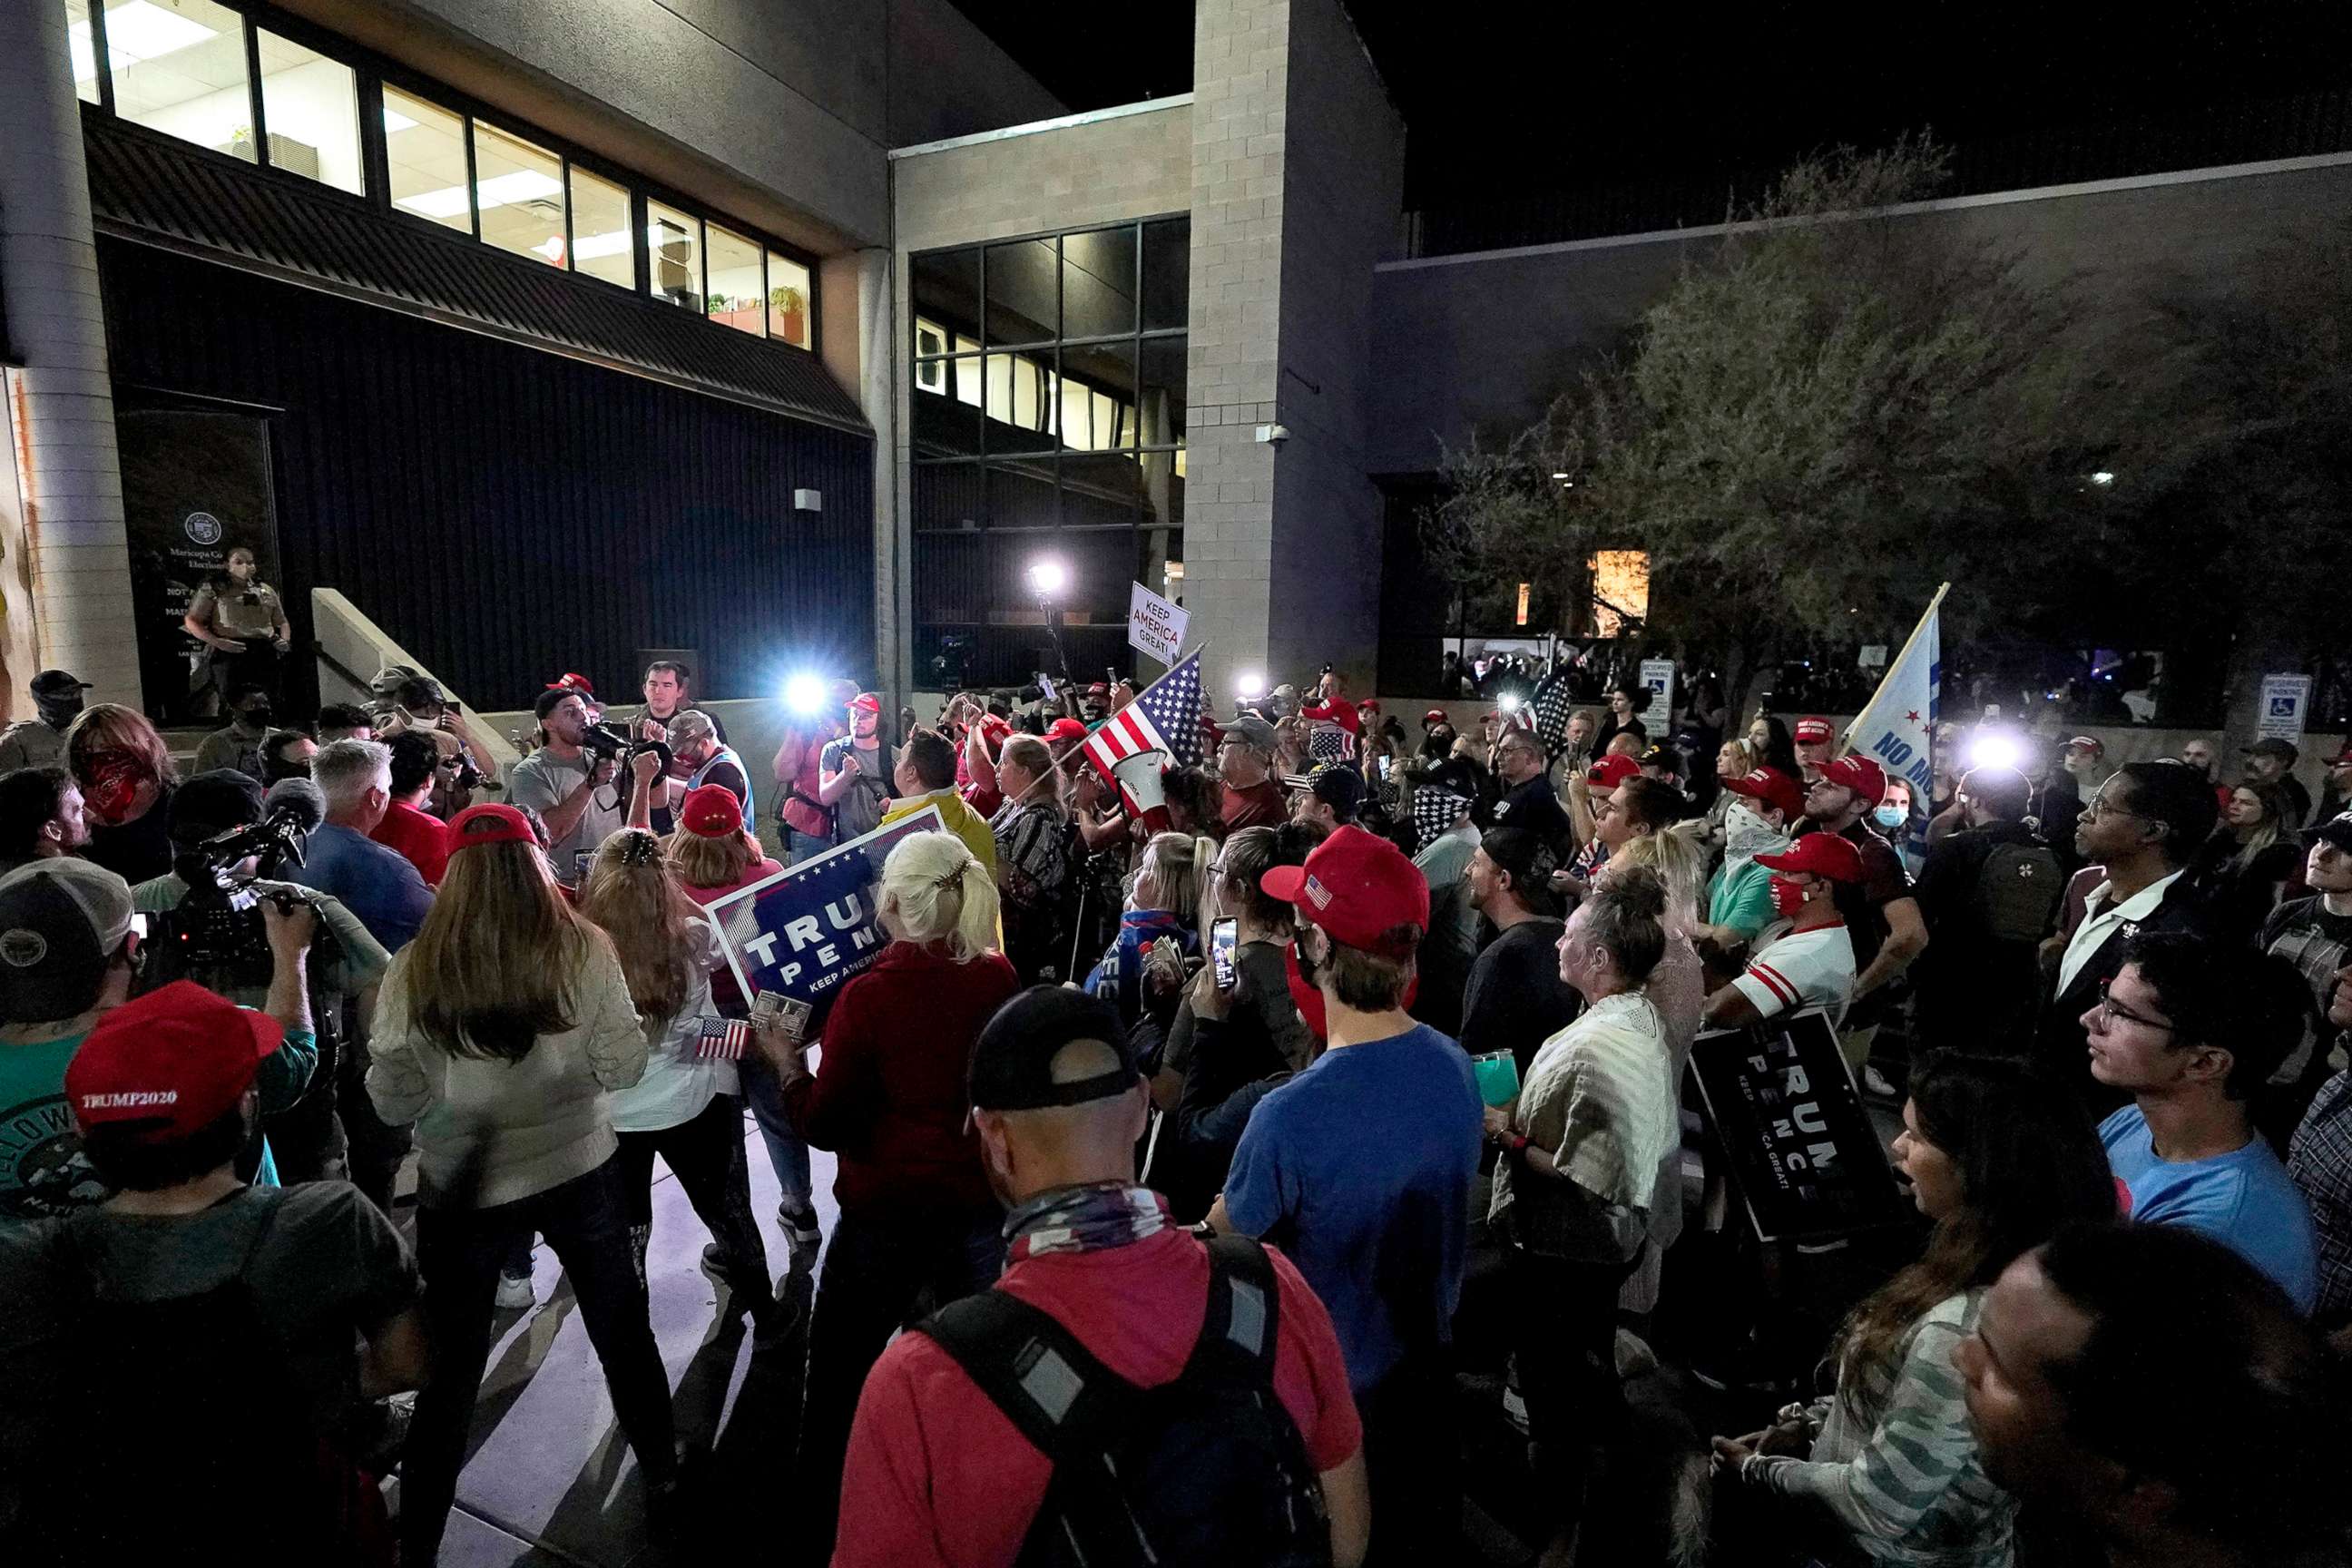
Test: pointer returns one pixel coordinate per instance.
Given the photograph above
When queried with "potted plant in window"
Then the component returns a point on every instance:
(742, 314)
(789, 308)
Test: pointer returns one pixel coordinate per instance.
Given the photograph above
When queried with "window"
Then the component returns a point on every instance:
(424, 151)
(738, 293)
(600, 230)
(84, 51)
(310, 106)
(1047, 416)
(673, 242)
(179, 67)
(518, 190)
(789, 318)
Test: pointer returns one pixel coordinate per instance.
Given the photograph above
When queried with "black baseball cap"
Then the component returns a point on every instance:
(2336, 830)
(61, 921)
(56, 683)
(1012, 1061)
(213, 802)
(2271, 746)
(1338, 786)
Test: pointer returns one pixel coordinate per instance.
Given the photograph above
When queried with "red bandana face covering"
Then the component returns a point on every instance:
(1787, 897)
(1308, 995)
(115, 778)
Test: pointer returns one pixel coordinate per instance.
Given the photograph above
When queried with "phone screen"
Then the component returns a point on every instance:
(1222, 935)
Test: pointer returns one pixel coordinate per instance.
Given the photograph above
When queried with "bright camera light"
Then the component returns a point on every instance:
(1995, 752)
(804, 694)
(1047, 577)
(2103, 477)
(1510, 702)
(1251, 685)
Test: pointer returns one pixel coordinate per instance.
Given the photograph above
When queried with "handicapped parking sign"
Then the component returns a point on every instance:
(2286, 699)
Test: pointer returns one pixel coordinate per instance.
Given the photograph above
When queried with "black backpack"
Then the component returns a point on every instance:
(1209, 1469)
(2017, 891)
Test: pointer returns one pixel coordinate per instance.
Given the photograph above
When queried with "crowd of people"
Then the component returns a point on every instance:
(1345, 1066)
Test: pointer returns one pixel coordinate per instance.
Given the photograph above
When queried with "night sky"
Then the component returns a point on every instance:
(1507, 99)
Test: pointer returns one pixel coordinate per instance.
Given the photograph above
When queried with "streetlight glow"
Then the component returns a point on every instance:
(1251, 685)
(1047, 577)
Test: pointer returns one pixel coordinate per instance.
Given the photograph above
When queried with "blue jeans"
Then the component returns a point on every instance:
(805, 845)
(786, 1152)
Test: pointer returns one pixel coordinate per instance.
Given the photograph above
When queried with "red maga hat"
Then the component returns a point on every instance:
(1822, 854)
(1860, 775)
(1358, 887)
(175, 1060)
(1772, 788)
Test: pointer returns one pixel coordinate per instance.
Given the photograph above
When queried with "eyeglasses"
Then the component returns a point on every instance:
(2110, 1010)
(2102, 807)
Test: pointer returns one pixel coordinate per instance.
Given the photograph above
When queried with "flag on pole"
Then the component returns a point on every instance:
(1897, 728)
(1553, 704)
(1165, 718)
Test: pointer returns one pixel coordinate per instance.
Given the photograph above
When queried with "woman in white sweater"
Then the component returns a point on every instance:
(1886, 1469)
(501, 1031)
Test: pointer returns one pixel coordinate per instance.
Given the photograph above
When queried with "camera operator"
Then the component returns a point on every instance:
(340, 983)
(804, 822)
(376, 882)
(853, 775)
(70, 953)
(571, 788)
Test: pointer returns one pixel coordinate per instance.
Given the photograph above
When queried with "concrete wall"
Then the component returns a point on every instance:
(1485, 341)
(780, 109)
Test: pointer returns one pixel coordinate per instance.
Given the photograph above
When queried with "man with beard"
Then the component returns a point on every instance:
(853, 775)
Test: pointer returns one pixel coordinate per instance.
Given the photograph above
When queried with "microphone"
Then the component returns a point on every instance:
(298, 798)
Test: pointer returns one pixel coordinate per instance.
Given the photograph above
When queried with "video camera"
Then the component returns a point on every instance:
(216, 936)
(605, 742)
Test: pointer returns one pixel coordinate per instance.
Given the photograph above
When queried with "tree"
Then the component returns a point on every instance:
(1831, 411)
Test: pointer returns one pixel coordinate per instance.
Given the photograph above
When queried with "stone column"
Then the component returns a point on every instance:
(64, 566)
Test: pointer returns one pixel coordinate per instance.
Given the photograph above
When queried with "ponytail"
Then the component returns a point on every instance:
(936, 890)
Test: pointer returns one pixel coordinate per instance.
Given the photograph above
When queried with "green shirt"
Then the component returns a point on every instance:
(1742, 903)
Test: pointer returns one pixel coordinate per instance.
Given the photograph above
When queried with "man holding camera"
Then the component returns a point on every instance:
(853, 776)
(804, 822)
(309, 1142)
(70, 953)
(570, 787)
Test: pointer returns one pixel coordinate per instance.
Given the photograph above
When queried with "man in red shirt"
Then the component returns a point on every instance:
(407, 827)
(1331, 706)
(937, 1474)
(1245, 767)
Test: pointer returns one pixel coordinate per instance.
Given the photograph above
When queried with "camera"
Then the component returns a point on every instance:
(607, 742)
(216, 936)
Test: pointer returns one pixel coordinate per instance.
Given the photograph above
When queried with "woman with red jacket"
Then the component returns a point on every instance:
(889, 1098)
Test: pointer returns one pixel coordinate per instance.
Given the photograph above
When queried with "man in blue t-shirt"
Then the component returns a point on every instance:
(2191, 1028)
(1360, 1167)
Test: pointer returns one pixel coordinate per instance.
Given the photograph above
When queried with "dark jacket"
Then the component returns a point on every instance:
(1972, 989)
(2059, 1041)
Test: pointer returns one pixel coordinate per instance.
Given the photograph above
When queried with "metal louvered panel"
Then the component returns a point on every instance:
(506, 514)
(150, 187)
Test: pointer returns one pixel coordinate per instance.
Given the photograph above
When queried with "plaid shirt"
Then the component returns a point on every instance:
(2302, 931)
(2319, 1158)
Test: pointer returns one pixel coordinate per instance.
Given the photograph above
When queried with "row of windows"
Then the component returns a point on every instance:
(209, 74)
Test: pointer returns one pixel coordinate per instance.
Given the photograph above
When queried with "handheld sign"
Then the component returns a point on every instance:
(806, 930)
(1154, 625)
(1805, 1157)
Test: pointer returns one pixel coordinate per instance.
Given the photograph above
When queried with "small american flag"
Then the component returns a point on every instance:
(1554, 705)
(723, 1039)
(1165, 718)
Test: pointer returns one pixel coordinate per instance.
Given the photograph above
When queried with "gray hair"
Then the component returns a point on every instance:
(345, 770)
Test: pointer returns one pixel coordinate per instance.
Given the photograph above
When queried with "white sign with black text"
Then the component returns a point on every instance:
(1155, 625)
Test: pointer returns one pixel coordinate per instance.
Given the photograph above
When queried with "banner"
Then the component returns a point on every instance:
(1805, 1157)
(1154, 625)
(1898, 727)
(807, 929)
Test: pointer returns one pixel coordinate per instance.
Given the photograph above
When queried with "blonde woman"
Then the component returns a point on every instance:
(501, 1031)
(126, 777)
(889, 1098)
(684, 1108)
(1163, 905)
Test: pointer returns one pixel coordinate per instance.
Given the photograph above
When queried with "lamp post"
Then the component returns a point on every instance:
(1049, 579)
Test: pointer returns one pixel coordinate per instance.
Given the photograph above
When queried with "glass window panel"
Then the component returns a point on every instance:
(947, 425)
(1021, 496)
(947, 289)
(1161, 400)
(312, 105)
(1163, 489)
(424, 149)
(1021, 409)
(674, 239)
(792, 306)
(1106, 372)
(1098, 283)
(1020, 292)
(520, 189)
(84, 51)
(931, 338)
(600, 230)
(179, 67)
(739, 288)
(1096, 491)
(1167, 273)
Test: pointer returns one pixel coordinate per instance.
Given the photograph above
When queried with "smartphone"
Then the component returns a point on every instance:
(138, 925)
(580, 864)
(1224, 933)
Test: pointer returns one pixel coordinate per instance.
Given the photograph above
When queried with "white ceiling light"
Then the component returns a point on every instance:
(590, 247)
(140, 31)
(497, 191)
(395, 122)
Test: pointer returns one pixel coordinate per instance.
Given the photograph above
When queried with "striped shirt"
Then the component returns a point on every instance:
(1601, 1092)
(1909, 1486)
(1796, 968)
(2319, 1159)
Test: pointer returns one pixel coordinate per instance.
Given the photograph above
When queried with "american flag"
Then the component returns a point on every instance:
(1165, 718)
(723, 1039)
(1553, 704)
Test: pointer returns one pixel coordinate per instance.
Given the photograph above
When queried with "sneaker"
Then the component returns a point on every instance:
(799, 1224)
(515, 1293)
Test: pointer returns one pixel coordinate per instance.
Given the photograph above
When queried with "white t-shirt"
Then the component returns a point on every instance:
(1794, 970)
(677, 1084)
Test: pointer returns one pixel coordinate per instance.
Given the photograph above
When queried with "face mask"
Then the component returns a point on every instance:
(1747, 835)
(115, 778)
(1787, 897)
(1890, 816)
(275, 769)
(57, 712)
(1299, 970)
(257, 717)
